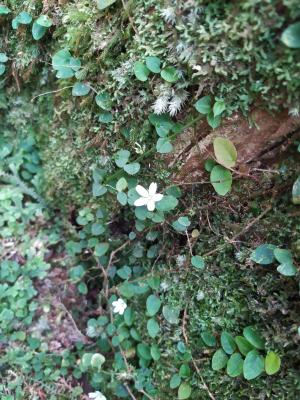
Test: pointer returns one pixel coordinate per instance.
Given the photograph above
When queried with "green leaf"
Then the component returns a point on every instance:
(253, 365)
(208, 339)
(2, 69)
(291, 36)
(167, 203)
(221, 179)
(225, 152)
(153, 304)
(219, 360)
(219, 107)
(38, 31)
(263, 254)
(155, 352)
(203, 105)
(97, 229)
(98, 189)
(283, 256)
(164, 146)
(3, 58)
(272, 363)
(228, 343)
(124, 272)
(101, 249)
(153, 327)
(105, 117)
(103, 101)
(143, 351)
(97, 361)
(296, 191)
(102, 4)
(170, 74)
(184, 371)
(23, 18)
(45, 21)
(213, 122)
(128, 316)
(132, 168)
(243, 345)
(4, 10)
(141, 71)
(198, 262)
(184, 391)
(153, 64)
(254, 337)
(175, 381)
(235, 365)
(122, 157)
(171, 314)
(287, 269)
(121, 184)
(209, 164)
(80, 89)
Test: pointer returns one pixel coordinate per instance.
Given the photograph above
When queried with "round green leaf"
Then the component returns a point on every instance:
(122, 157)
(105, 117)
(254, 337)
(167, 203)
(153, 327)
(263, 254)
(45, 21)
(235, 365)
(203, 105)
(283, 256)
(101, 249)
(4, 10)
(213, 122)
(208, 339)
(175, 381)
(170, 74)
(80, 89)
(198, 262)
(155, 352)
(272, 363)
(164, 146)
(228, 343)
(121, 184)
(221, 179)
(153, 304)
(141, 71)
(219, 107)
(184, 391)
(102, 4)
(38, 31)
(97, 361)
(225, 152)
(253, 365)
(219, 360)
(171, 314)
(143, 351)
(243, 345)
(103, 100)
(153, 64)
(291, 36)
(3, 58)
(209, 164)
(132, 168)
(287, 269)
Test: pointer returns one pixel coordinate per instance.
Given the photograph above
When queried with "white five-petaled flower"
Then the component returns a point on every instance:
(97, 396)
(119, 306)
(148, 197)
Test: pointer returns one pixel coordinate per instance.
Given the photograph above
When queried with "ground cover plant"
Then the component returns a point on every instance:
(118, 277)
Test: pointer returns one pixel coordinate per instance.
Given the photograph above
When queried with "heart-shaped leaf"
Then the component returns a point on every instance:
(219, 360)
(203, 105)
(253, 365)
(263, 254)
(164, 146)
(80, 89)
(221, 179)
(153, 304)
(141, 71)
(272, 363)
(291, 36)
(153, 64)
(235, 365)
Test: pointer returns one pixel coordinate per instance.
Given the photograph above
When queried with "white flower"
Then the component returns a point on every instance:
(97, 396)
(148, 197)
(119, 306)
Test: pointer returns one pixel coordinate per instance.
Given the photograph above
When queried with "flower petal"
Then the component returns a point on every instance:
(142, 191)
(152, 189)
(157, 197)
(142, 201)
(151, 205)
